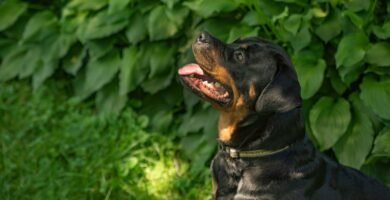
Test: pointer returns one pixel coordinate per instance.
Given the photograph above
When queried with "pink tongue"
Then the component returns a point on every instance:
(189, 69)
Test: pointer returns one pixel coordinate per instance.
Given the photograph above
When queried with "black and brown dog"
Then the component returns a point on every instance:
(264, 152)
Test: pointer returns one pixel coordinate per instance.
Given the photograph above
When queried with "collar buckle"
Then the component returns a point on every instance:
(234, 153)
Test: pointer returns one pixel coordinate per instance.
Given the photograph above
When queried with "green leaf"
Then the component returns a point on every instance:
(163, 23)
(376, 95)
(378, 70)
(137, 31)
(5, 45)
(253, 18)
(108, 100)
(161, 70)
(355, 19)
(299, 2)
(170, 3)
(329, 119)
(162, 60)
(87, 5)
(338, 85)
(388, 8)
(350, 74)
(161, 112)
(330, 28)
(10, 11)
(357, 5)
(132, 73)
(378, 163)
(12, 63)
(200, 119)
(64, 42)
(162, 119)
(378, 169)
(281, 16)
(351, 49)
(52, 49)
(100, 72)
(37, 27)
(319, 12)
(379, 54)
(271, 8)
(349, 56)
(73, 61)
(44, 71)
(49, 61)
(310, 69)
(200, 149)
(117, 5)
(99, 48)
(190, 99)
(32, 61)
(301, 39)
(359, 134)
(218, 28)
(292, 23)
(103, 24)
(153, 85)
(206, 8)
(382, 144)
(177, 15)
(242, 31)
(382, 32)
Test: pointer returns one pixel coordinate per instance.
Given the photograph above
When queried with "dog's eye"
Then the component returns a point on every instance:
(239, 55)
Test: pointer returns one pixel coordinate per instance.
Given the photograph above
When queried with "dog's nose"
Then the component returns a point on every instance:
(203, 38)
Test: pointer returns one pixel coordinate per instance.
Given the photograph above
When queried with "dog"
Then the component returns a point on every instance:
(264, 153)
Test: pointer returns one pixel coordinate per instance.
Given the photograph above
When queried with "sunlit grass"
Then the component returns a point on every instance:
(52, 147)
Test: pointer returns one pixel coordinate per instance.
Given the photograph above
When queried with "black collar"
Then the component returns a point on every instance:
(236, 153)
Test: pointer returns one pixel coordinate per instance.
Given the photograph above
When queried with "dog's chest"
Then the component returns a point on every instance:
(237, 179)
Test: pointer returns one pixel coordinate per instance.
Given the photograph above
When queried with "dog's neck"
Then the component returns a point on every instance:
(268, 132)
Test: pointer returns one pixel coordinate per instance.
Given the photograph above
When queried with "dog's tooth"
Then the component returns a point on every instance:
(192, 76)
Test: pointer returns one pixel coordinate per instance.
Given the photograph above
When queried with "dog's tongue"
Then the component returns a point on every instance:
(189, 69)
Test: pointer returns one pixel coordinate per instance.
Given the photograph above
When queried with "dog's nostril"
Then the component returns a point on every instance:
(202, 38)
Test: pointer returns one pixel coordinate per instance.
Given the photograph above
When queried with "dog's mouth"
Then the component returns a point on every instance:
(203, 84)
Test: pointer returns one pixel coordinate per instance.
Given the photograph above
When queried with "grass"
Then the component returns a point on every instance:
(54, 147)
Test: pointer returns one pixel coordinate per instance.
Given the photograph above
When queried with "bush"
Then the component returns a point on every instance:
(125, 53)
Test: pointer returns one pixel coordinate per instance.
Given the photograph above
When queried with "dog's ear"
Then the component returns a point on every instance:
(282, 93)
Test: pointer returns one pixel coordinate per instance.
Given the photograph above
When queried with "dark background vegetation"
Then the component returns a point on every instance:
(90, 105)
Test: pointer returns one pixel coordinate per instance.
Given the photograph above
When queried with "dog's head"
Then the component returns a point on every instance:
(248, 77)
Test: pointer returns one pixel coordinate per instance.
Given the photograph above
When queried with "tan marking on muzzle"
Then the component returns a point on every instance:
(229, 117)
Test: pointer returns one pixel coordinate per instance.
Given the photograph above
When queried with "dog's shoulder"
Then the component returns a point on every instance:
(347, 183)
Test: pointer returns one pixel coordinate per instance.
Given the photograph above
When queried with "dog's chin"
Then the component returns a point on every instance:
(204, 85)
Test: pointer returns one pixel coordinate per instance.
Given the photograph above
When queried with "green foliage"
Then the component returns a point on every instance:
(329, 119)
(10, 12)
(125, 53)
(56, 148)
(360, 134)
